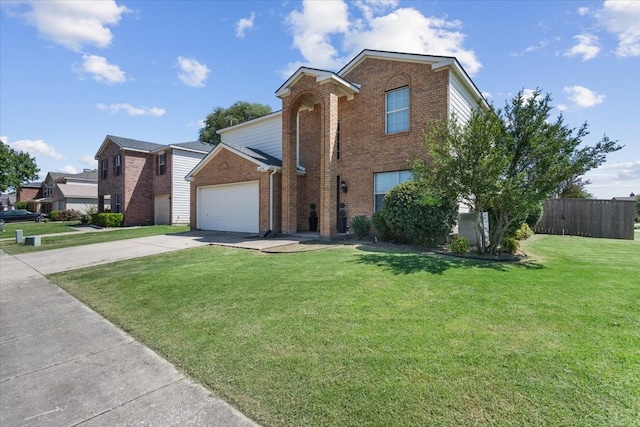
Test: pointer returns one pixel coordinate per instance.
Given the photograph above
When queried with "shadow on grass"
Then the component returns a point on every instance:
(407, 262)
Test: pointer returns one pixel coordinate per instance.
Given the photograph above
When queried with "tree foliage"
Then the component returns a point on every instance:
(16, 168)
(574, 188)
(507, 161)
(221, 118)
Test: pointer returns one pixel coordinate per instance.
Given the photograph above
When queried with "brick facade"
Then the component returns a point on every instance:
(315, 104)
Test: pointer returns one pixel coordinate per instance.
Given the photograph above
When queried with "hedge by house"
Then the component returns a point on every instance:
(107, 219)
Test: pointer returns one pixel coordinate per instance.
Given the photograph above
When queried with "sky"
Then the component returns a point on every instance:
(72, 72)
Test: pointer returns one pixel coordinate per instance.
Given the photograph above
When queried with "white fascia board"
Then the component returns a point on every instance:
(455, 67)
(221, 146)
(392, 56)
(250, 122)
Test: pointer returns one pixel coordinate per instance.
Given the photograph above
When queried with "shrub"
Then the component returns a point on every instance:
(106, 219)
(460, 246)
(380, 225)
(412, 215)
(22, 205)
(53, 215)
(66, 215)
(89, 211)
(509, 245)
(524, 232)
(361, 226)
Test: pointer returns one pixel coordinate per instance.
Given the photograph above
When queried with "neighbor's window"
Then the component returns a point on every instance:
(397, 110)
(117, 162)
(383, 182)
(116, 203)
(161, 168)
(105, 168)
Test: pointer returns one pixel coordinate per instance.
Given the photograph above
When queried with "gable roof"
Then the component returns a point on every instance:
(129, 144)
(345, 88)
(198, 146)
(437, 63)
(79, 191)
(262, 160)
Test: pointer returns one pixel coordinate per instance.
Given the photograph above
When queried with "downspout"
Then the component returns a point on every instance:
(298, 138)
(271, 198)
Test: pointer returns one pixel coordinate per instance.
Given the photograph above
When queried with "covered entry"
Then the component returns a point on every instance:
(229, 207)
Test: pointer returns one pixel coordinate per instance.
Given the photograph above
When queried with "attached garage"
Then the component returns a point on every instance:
(229, 207)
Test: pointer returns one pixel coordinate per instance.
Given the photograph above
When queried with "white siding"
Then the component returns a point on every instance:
(460, 100)
(264, 134)
(183, 163)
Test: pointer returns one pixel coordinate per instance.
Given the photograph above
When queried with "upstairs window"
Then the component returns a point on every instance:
(105, 168)
(161, 167)
(383, 182)
(338, 142)
(117, 165)
(397, 110)
(116, 203)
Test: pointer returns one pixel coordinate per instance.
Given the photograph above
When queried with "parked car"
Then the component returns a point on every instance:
(21, 215)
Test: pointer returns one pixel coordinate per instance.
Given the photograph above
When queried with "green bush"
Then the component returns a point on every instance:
(524, 232)
(54, 215)
(509, 245)
(107, 219)
(65, 215)
(414, 216)
(22, 205)
(460, 246)
(380, 225)
(361, 226)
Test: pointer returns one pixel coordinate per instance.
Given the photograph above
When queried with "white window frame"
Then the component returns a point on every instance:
(397, 110)
(398, 178)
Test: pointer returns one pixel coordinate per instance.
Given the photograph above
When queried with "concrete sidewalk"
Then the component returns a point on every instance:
(62, 364)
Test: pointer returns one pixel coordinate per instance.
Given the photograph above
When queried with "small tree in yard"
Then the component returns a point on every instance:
(507, 161)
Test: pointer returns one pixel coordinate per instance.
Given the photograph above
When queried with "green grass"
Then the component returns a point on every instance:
(37, 228)
(57, 242)
(372, 337)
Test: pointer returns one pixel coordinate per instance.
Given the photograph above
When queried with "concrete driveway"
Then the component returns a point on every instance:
(62, 364)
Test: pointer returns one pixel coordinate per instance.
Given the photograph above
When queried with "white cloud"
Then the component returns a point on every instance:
(581, 97)
(244, 24)
(36, 148)
(131, 110)
(68, 169)
(615, 180)
(587, 47)
(582, 11)
(74, 24)
(89, 160)
(527, 94)
(327, 34)
(622, 18)
(192, 73)
(532, 48)
(101, 70)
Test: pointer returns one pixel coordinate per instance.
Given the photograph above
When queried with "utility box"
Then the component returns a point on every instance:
(32, 241)
(19, 236)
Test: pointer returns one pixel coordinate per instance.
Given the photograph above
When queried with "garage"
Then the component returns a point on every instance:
(229, 207)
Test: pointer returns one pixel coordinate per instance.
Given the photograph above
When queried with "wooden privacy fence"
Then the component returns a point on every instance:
(612, 219)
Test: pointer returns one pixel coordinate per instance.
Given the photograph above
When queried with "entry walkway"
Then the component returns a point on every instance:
(62, 364)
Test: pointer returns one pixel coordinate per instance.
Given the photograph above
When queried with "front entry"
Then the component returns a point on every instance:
(162, 210)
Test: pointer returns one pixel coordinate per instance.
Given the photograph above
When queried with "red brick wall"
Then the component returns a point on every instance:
(26, 194)
(365, 148)
(226, 168)
(134, 185)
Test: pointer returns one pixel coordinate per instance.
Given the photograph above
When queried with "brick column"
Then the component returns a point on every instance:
(328, 160)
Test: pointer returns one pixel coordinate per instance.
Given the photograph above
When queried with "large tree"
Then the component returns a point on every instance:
(16, 168)
(507, 161)
(574, 188)
(221, 118)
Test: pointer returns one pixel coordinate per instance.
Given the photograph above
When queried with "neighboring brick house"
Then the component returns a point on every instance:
(145, 180)
(340, 137)
(29, 191)
(61, 191)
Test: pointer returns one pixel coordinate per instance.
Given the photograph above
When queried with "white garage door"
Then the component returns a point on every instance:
(230, 207)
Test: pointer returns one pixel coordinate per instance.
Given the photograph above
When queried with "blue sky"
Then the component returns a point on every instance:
(72, 72)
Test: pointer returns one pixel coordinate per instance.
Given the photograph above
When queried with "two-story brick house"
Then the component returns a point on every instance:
(340, 137)
(145, 181)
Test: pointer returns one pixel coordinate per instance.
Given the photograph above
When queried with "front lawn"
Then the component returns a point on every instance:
(33, 228)
(370, 336)
(97, 236)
